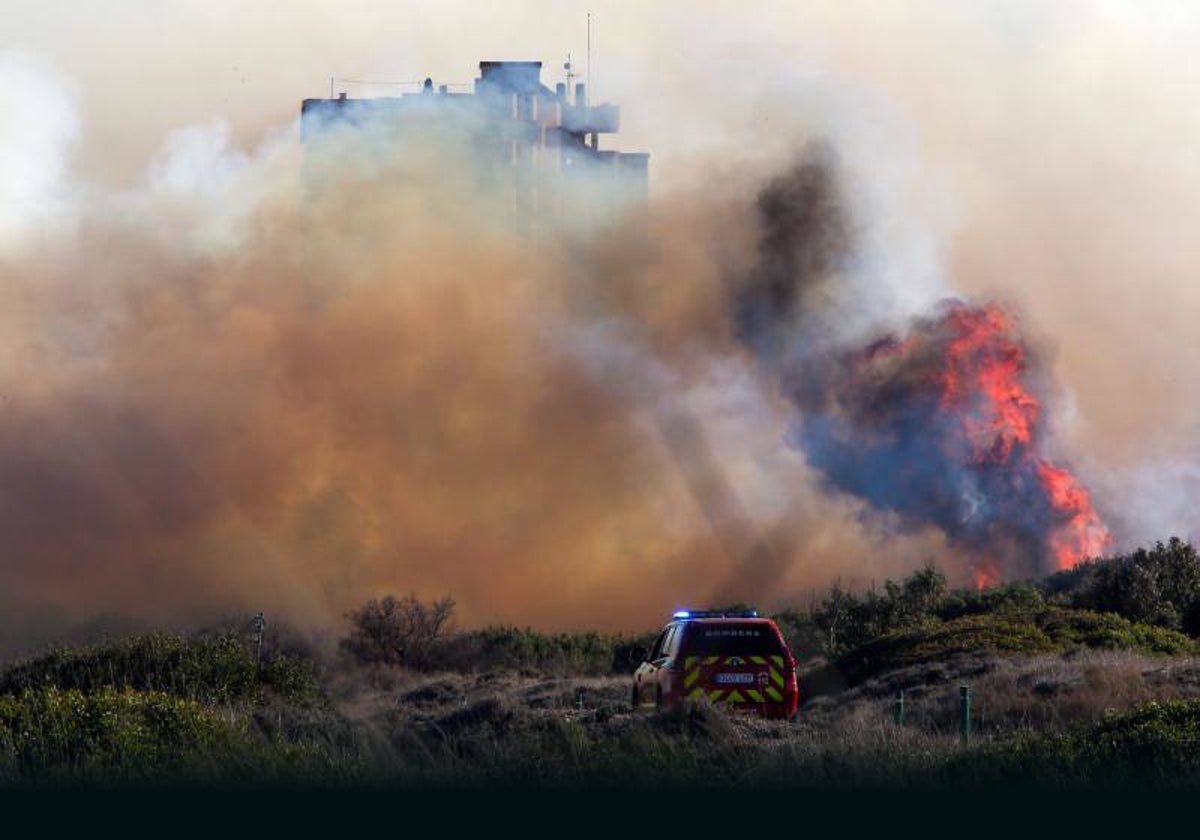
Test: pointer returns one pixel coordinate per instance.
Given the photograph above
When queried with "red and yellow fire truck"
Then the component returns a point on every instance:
(736, 658)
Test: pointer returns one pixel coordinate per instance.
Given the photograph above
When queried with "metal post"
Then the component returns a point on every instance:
(579, 699)
(899, 707)
(260, 624)
(964, 714)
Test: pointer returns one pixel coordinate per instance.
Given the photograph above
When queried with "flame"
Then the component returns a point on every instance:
(981, 384)
(1080, 533)
(987, 574)
(982, 389)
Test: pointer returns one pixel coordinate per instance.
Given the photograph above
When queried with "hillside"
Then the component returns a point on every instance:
(1065, 694)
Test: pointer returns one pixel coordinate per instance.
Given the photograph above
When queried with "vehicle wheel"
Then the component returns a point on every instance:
(658, 699)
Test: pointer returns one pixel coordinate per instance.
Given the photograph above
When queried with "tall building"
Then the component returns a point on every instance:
(543, 144)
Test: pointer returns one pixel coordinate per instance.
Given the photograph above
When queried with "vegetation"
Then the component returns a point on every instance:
(111, 737)
(1041, 631)
(412, 702)
(1155, 747)
(1158, 586)
(527, 650)
(218, 670)
(398, 631)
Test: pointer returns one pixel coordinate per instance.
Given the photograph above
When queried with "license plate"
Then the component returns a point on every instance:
(734, 679)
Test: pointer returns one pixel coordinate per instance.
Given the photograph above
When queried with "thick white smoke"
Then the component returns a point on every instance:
(38, 130)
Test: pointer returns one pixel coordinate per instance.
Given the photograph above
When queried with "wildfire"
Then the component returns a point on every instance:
(981, 384)
(982, 389)
(941, 427)
(1081, 533)
(987, 574)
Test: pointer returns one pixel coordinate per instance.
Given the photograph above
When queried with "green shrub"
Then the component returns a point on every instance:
(1013, 597)
(1155, 746)
(216, 670)
(112, 737)
(1041, 631)
(513, 648)
(847, 620)
(1156, 586)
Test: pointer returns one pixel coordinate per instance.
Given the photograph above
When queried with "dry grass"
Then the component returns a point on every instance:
(409, 730)
(1047, 692)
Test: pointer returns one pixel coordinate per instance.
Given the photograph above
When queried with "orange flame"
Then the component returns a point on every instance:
(982, 388)
(1080, 533)
(984, 364)
(986, 575)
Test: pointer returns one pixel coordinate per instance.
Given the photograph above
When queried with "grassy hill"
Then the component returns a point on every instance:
(1089, 679)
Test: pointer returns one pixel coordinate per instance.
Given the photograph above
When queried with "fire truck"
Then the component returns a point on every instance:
(734, 658)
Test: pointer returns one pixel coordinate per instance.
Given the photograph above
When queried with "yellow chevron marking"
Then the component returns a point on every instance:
(691, 677)
(715, 695)
(689, 662)
(711, 660)
(778, 660)
(734, 697)
(696, 694)
(777, 678)
(754, 695)
(758, 660)
(773, 694)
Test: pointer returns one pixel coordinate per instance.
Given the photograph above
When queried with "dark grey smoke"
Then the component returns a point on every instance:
(804, 238)
(876, 424)
(938, 427)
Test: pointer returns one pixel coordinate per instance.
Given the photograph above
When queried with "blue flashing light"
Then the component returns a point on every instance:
(684, 615)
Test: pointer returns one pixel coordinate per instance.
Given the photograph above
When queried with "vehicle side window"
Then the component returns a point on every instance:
(671, 648)
(669, 641)
(656, 651)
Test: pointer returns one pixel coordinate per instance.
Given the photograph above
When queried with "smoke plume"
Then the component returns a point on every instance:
(939, 426)
(240, 374)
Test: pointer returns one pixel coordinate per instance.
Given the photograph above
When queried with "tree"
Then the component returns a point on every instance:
(397, 631)
(1157, 586)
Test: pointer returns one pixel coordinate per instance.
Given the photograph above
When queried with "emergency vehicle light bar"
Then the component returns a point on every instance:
(684, 615)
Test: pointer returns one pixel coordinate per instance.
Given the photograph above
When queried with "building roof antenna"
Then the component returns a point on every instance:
(570, 68)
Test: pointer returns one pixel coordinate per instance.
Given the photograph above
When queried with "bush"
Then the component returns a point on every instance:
(1160, 586)
(1043, 631)
(1021, 597)
(216, 670)
(1156, 746)
(804, 637)
(513, 648)
(843, 620)
(111, 737)
(397, 631)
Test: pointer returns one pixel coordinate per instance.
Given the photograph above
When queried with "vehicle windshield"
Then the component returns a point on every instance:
(730, 638)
